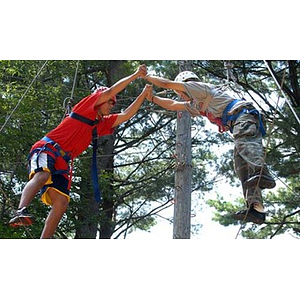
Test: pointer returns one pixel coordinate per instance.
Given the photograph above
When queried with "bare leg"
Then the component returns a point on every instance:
(32, 187)
(59, 207)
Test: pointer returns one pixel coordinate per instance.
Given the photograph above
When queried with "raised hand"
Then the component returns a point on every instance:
(147, 91)
(142, 71)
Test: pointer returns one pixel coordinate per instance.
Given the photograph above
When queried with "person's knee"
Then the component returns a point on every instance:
(64, 204)
(59, 201)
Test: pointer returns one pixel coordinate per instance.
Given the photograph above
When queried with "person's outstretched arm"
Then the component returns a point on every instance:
(121, 85)
(165, 83)
(132, 109)
(166, 103)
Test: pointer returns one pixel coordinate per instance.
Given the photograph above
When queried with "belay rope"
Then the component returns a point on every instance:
(20, 100)
(67, 106)
(281, 90)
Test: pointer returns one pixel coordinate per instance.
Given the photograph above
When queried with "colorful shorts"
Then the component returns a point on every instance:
(42, 159)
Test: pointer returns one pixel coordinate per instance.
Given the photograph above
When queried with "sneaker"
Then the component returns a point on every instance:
(264, 181)
(21, 218)
(250, 215)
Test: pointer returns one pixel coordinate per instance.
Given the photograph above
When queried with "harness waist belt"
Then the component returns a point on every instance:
(226, 118)
(64, 154)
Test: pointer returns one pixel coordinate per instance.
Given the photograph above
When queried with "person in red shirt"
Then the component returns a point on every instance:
(49, 158)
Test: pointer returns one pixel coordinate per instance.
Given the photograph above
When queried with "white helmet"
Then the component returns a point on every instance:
(185, 75)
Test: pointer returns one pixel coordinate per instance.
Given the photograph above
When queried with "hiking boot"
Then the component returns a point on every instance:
(250, 215)
(264, 181)
(21, 218)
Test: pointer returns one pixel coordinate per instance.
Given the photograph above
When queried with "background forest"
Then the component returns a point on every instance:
(137, 162)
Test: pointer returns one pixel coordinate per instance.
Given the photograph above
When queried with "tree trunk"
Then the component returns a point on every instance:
(106, 163)
(182, 204)
(91, 213)
(183, 175)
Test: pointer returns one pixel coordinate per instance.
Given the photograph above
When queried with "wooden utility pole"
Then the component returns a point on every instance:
(182, 198)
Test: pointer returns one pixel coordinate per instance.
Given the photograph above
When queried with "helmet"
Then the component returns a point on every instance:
(185, 75)
(104, 88)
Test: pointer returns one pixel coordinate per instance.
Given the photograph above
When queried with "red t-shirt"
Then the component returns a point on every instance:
(75, 136)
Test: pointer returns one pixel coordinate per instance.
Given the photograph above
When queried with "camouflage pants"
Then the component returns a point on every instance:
(248, 154)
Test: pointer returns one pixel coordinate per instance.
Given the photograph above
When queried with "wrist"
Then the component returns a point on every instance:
(135, 76)
(152, 98)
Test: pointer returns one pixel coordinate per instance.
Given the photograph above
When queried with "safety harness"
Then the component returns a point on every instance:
(230, 118)
(93, 123)
(57, 151)
(222, 123)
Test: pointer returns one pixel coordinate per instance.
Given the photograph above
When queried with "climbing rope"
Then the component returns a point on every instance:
(281, 90)
(231, 80)
(74, 80)
(33, 80)
(67, 106)
(228, 65)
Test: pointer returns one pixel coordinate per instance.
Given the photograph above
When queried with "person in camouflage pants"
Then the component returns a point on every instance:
(249, 160)
(237, 115)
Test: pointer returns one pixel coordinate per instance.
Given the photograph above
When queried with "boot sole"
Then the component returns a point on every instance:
(263, 183)
(20, 221)
(244, 217)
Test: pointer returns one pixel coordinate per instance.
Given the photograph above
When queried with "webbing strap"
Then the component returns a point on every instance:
(94, 171)
(57, 152)
(226, 118)
(97, 192)
(83, 119)
(61, 152)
